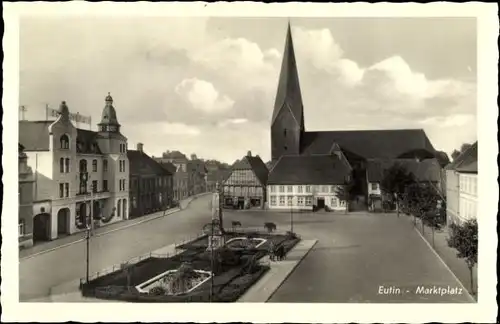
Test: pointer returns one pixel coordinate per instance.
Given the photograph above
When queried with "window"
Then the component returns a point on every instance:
(374, 186)
(105, 185)
(289, 200)
(105, 165)
(300, 201)
(474, 186)
(94, 165)
(61, 190)
(272, 188)
(289, 189)
(273, 200)
(308, 189)
(324, 189)
(332, 189)
(83, 165)
(300, 189)
(308, 201)
(124, 185)
(124, 165)
(66, 189)
(21, 228)
(64, 140)
(334, 202)
(282, 201)
(66, 165)
(61, 165)
(94, 186)
(282, 188)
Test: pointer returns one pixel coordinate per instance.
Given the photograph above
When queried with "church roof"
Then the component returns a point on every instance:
(143, 164)
(288, 95)
(312, 170)
(465, 162)
(369, 144)
(425, 170)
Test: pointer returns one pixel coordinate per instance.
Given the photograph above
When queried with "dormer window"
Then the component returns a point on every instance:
(64, 141)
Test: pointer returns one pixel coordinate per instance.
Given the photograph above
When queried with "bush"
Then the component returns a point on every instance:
(270, 227)
(157, 291)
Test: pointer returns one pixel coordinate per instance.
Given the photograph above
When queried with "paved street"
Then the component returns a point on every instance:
(355, 255)
(41, 272)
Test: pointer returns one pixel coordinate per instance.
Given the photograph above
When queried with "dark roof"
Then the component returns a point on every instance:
(255, 164)
(86, 142)
(218, 175)
(168, 166)
(288, 95)
(143, 164)
(467, 161)
(34, 135)
(313, 169)
(369, 144)
(174, 155)
(425, 170)
(196, 166)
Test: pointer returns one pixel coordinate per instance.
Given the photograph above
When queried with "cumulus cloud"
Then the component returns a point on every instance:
(203, 96)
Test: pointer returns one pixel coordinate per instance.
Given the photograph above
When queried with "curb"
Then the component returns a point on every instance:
(174, 210)
(293, 269)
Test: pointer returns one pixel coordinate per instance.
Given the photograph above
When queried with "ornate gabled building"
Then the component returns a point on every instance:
(290, 138)
(80, 176)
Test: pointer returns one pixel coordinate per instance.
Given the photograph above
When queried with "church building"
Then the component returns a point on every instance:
(80, 176)
(311, 163)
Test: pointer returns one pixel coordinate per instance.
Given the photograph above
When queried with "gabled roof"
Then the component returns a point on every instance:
(218, 175)
(168, 166)
(288, 95)
(465, 162)
(34, 135)
(255, 164)
(425, 170)
(369, 144)
(313, 169)
(143, 164)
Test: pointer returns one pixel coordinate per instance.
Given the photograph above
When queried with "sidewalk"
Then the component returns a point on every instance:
(80, 236)
(447, 254)
(263, 289)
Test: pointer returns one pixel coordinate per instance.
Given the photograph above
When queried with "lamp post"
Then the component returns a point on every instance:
(88, 254)
(291, 218)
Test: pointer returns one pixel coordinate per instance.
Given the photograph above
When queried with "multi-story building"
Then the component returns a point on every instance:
(246, 183)
(26, 182)
(427, 171)
(197, 177)
(151, 183)
(81, 176)
(181, 176)
(302, 183)
(462, 187)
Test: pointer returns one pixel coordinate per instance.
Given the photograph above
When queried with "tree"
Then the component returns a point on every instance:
(463, 238)
(423, 200)
(343, 192)
(442, 158)
(463, 148)
(235, 224)
(395, 179)
(194, 157)
(270, 226)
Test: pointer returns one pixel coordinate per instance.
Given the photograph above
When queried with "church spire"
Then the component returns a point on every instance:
(288, 95)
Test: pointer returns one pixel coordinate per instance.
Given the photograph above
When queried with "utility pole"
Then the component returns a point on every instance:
(291, 218)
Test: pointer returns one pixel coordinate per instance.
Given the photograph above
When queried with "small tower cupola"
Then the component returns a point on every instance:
(64, 110)
(109, 121)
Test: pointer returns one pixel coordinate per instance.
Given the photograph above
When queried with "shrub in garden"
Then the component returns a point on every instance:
(157, 291)
(235, 224)
(270, 227)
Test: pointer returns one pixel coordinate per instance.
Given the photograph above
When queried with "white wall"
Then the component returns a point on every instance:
(467, 196)
(374, 189)
(302, 197)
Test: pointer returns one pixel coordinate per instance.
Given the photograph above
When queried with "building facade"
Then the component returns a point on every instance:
(151, 184)
(311, 183)
(246, 184)
(290, 138)
(25, 191)
(197, 177)
(81, 176)
(462, 187)
(181, 176)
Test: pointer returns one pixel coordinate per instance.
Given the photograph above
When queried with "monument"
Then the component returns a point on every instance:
(214, 231)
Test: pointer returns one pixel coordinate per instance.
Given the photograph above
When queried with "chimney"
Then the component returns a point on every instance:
(249, 153)
(140, 147)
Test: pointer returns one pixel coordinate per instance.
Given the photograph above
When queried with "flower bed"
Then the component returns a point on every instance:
(155, 279)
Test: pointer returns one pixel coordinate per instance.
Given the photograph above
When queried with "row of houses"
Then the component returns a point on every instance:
(72, 178)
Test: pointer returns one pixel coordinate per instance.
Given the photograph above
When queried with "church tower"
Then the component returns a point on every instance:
(287, 124)
(111, 141)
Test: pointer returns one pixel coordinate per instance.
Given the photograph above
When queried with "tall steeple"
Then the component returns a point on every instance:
(288, 94)
(287, 125)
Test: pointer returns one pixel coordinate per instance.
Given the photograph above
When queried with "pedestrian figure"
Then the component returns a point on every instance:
(280, 252)
(271, 251)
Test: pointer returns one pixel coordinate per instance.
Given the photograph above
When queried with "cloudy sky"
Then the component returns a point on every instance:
(207, 85)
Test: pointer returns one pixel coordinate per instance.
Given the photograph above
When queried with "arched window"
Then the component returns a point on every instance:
(83, 165)
(94, 165)
(119, 208)
(105, 165)
(124, 207)
(61, 165)
(64, 142)
(66, 165)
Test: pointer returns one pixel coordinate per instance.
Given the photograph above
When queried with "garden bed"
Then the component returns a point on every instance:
(235, 270)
